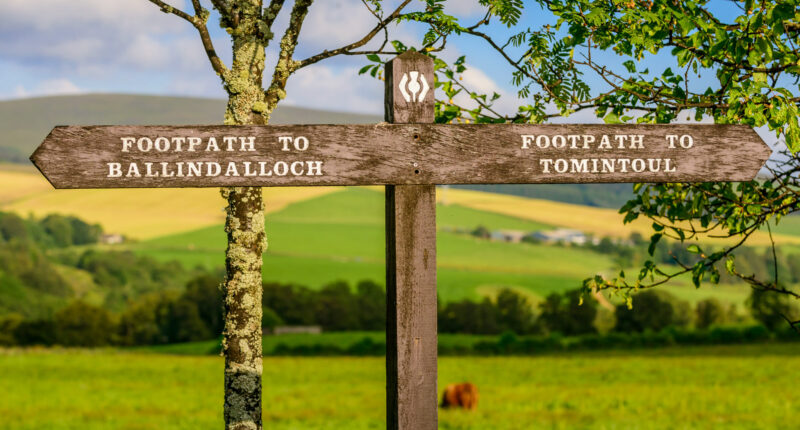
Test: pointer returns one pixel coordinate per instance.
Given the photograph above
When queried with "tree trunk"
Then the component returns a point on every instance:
(241, 343)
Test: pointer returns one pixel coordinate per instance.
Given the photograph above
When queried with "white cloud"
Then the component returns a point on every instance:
(57, 15)
(478, 81)
(340, 89)
(79, 36)
(49, 87)
(331, 24)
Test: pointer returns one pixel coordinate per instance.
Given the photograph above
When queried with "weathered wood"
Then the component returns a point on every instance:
(381, 154)
(411, 338)
(403, 105)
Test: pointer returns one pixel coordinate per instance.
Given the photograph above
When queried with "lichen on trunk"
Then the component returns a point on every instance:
(245, 228)
(242, 334)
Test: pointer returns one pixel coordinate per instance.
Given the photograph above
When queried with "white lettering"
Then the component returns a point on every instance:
(178, 141)
(195, 168)
(637, 141)
(671, 138)
(301, 143)
(263, 166)
(127, 143)
(133, 170)
(217, 169)
(527, 139)
(281, 168)
(545, 163)
(150, 173)
(285, 141)
(543, 141)
(314, 168)
(144, 144)
(229, 140)
(232, 170)
(580, 166)
(114, 170)
(212, 143)
(247, 171)
(194, 142)
(248, 143)
(165, 172)
(296, 168)
(162, 144)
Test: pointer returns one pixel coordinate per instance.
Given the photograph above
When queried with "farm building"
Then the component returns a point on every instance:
(562, 235)
(512, 236)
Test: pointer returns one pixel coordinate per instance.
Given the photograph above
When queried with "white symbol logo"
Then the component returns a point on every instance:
(418, 91)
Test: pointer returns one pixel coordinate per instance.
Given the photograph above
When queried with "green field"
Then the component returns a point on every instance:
(741, 387)
(340, 235)
(340, 339)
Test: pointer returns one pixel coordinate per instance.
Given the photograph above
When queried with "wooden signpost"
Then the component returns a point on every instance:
(409, 154)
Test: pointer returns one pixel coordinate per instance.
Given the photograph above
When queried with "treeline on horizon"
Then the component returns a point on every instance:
(195, 314)
(146, 302)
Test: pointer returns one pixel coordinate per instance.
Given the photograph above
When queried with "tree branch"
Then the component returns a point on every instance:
(198, 21)
(222, 6)
(363, 41)
(285, 66)
(173, 10)
(272, 11)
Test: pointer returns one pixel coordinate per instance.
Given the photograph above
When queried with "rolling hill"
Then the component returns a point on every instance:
(151, 213)
(26, 122)
(340, 235)
(318, 235)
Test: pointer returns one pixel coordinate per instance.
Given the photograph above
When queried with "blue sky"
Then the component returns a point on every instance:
(64, 46)
(52, 47)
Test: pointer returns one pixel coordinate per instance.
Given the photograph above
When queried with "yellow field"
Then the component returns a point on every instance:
(149, 213)
(597, 221)
(136, 213)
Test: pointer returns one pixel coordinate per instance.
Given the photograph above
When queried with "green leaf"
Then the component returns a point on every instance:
(653, 242)
(729, 265)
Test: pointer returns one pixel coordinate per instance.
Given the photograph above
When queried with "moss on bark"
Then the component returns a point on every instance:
(245, 228)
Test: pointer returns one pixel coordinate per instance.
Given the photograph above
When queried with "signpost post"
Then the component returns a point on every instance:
(409, 155)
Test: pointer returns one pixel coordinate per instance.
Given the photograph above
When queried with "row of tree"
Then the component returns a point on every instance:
(156, 318)
(52, 231)
(196, 314)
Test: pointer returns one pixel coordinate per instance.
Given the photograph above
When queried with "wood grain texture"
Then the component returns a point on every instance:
(381, 154)
(411, 329)
(398, 110)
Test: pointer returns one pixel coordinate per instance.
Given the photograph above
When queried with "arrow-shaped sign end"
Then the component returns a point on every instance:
(762, 152)
(38, 158)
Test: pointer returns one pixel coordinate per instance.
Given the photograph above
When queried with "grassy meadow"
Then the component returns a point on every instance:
(736, 387)
(340, 235)
(321, 234)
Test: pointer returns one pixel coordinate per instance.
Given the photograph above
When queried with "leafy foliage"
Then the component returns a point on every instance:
(737, 67)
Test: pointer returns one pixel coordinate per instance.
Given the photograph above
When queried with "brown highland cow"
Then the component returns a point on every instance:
(464, 395)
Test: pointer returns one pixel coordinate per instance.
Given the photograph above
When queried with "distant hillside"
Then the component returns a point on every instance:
(26, 122)
(597, 195)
